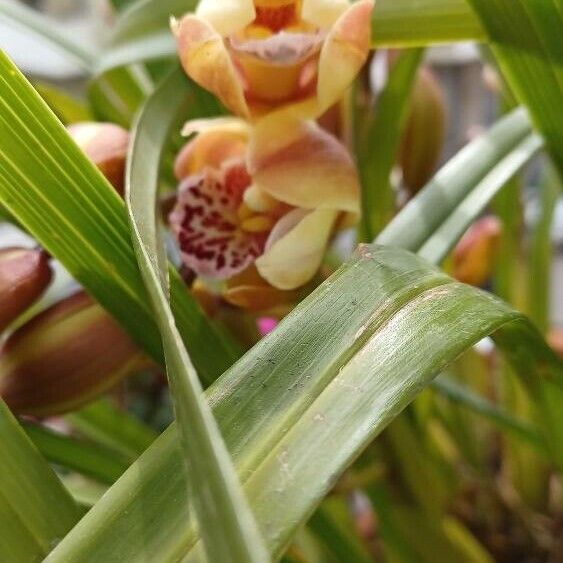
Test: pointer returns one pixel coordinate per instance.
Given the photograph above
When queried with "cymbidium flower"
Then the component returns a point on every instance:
(268, 196)
(260, 55)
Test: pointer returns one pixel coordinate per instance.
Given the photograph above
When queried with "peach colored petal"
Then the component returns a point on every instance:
(286, 224)
(323, 13)
(218, 140)
(345, 51)
(227, 16)
(295, 258)
(299, 163)
(205, 59)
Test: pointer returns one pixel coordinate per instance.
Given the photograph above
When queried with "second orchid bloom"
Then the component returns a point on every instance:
(264, 192)
(265, 55)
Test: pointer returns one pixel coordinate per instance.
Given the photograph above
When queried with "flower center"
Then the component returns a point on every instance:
(276, 15)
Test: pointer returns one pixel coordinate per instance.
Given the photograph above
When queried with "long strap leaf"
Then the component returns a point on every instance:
(225, 521)
(36, 511)
(300, 406)
(464, 174)
(29, 19)
(376, 158)
(526, 40)
(351, 327)
(68, 206)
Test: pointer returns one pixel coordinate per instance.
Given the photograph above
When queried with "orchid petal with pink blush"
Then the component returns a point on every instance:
(205, 59)
(344, 53)
(218, 140)
(299, 163)
(295, 258)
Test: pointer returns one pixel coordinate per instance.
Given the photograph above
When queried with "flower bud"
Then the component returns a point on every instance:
(24, 275)
(64, 357)
(473, 257)
(105, 144)
(555, 339)
(423, 138)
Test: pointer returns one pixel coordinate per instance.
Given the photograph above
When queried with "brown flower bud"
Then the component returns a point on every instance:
(64, 357)
(555, 339)
(105, 144)
(424, 134)
(24, 275)
(473, 257)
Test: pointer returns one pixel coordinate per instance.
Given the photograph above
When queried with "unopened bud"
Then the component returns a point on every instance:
(555, 339)
(105, 144)
(64, 357)
(473, 257)
(24, 275)
(423, 138)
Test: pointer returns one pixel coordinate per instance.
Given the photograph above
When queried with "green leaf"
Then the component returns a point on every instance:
(113, 428)
(472, 170)
(49, 30)
(115, 94)
(225, 521)
(89, 459)
(68, 206)
(377, 158)
(525, 38)
(300, 406)
(334, 526)
(541, 251)
(142, 32)
(457, 393)
(35, 509)
(417, 23)
(67, 108)
(443, 239)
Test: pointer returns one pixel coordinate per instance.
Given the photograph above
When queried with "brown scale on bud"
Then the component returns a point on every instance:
(65, 357)
(24, 275)
(425, 130)
(105, 144)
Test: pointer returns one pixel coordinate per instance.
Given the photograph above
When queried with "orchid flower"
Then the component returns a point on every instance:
(258, 56)
(267, 197)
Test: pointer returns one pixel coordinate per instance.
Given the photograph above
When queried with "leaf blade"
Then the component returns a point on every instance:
(35, 509)
(68, 206)
(227, 526)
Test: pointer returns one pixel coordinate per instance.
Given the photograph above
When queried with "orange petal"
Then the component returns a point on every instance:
(206, 60)
(344, 53)
(227, 16)
(299, 163)
(293, 260)
(323, 13)
(218, 140)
